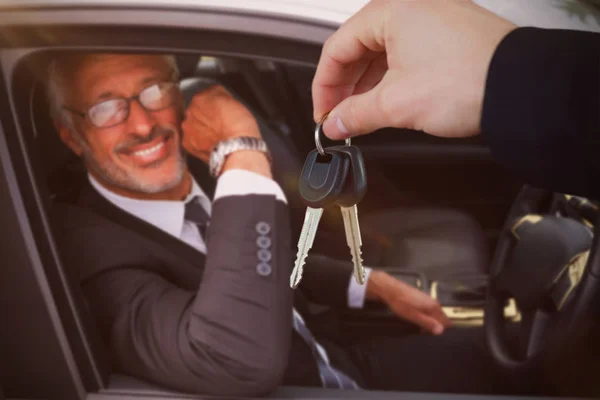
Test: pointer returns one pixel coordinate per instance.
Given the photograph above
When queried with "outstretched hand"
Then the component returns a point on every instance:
(411, 64)
(407, 302)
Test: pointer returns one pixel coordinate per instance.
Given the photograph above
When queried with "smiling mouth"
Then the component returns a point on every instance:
(148, 152)
(149, 156)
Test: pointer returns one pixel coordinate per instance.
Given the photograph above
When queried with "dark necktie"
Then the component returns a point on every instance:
(194, 212)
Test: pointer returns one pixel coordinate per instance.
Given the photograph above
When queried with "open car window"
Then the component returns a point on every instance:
(50, 344)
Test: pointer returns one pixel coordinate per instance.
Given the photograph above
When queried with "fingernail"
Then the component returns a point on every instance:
(341, 127)
(438, 330)
(334, 129)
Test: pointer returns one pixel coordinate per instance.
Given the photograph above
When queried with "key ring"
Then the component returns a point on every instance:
(318, 130)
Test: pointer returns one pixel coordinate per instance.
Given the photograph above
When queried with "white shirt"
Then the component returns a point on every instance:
(167, 215)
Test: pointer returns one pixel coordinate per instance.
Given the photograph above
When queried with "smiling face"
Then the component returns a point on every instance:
(141, 156)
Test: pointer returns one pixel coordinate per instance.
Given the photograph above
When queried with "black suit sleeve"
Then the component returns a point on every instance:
(541, 112)
(326, 280)
(230, 337)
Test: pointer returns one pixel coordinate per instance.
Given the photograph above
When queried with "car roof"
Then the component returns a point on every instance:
(566, 14)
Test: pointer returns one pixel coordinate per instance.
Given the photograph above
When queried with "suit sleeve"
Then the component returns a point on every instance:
(541, 112)
(232, 335)
(326, 280)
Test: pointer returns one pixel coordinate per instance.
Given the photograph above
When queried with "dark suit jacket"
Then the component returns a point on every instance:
(170, 315)
(541, 112)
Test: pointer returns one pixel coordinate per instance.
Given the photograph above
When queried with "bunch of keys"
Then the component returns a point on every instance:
(331, 176)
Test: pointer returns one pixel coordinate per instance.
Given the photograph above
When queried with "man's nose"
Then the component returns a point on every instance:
(140, 120)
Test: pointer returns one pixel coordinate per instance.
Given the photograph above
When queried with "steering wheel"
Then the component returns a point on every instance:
(550, 266)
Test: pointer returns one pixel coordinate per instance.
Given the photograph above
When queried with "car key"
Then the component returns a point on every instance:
(321, 183)
(355, 188)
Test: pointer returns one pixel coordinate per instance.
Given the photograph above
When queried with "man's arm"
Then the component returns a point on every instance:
(231, 337)
(329, 281)
(326, 280)
(541, 111)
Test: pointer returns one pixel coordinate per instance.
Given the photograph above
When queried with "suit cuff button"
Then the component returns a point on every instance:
(263, 228)
(263, 269)
(264, 255)
(263, 242)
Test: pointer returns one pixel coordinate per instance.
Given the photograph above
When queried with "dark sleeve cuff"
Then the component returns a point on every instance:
(326, 280)
(541, 110)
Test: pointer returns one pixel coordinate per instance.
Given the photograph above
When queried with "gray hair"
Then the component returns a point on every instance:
(59, 71)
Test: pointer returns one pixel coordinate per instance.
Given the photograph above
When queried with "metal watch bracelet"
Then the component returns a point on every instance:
(226, 147)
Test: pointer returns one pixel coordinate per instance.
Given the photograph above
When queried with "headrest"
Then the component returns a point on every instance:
(61, 167)
(187, 64)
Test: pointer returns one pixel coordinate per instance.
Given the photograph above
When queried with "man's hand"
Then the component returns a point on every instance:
(408, 64)
(407, 302)
(213, 116)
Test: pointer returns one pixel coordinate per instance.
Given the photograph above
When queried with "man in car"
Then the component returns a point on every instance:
(191, 292)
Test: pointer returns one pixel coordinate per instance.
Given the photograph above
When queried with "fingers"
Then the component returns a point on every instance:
(326, 98)
(422, 319)
(442, 318)
(431, 325)
(434, 309)
(382, 106)
(372, 75)
(407, 302)
(212, 95)
(346, 55)
(428, 314)
(355, 115)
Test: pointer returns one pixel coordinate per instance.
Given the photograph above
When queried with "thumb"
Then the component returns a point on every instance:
(364, 113)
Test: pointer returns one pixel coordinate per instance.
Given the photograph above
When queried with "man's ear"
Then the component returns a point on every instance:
(66, 135)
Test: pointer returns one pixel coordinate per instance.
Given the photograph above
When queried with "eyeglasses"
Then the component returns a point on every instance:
(109, 113)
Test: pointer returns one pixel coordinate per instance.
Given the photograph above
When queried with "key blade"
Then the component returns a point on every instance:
(305, 243)
(354, 241)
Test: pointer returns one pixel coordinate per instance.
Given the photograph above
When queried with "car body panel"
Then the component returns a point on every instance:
(564, 14)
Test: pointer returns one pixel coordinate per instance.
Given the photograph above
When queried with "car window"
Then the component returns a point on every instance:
(434, 212)
(276, 94)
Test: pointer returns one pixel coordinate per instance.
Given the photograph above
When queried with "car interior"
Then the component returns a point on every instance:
(439, 249)
(430, 201)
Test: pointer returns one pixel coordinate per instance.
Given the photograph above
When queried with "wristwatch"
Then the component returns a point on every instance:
(226, 147)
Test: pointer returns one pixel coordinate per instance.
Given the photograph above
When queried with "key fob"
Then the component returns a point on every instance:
(323, 177)
(355, 186)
